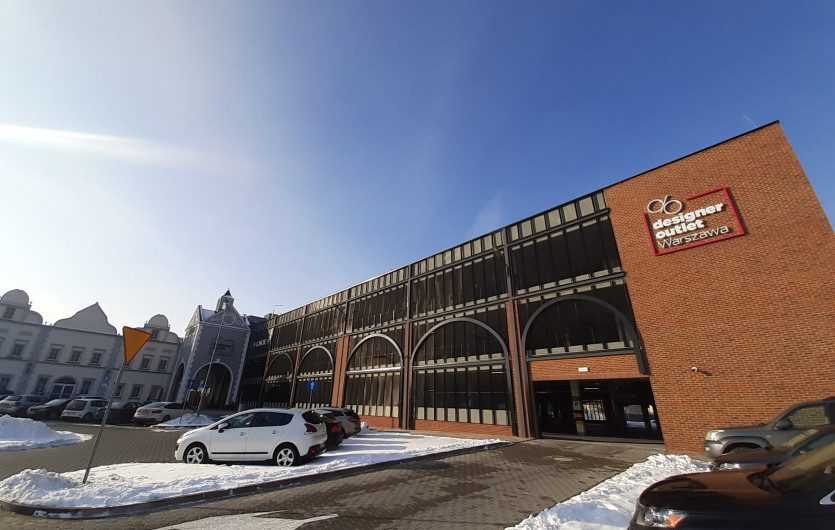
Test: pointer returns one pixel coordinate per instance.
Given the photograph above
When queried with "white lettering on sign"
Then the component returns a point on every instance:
(676, 228)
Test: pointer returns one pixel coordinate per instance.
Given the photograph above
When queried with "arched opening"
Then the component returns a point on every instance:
(213, 381)
(373, 377)
(63, 388)
(588, 327)
(278, 381)
(314, 382)
(460, 374)
(175, 387)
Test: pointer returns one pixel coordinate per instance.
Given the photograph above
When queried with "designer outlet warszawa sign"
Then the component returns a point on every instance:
(708, 217)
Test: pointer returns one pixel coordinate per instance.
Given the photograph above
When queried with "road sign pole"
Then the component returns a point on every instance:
(133, 340)
(103, 421)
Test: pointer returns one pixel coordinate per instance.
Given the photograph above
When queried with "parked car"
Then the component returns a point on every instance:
(798, 494)
(120, 412)
(800, 444)
(158, 412)
(18, 405)
(778, 431)
(51, 410)
(82, 409)
(285, 436)
(334, 429)
(349, 419)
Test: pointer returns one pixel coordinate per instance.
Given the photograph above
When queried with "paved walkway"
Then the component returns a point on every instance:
(490, 489)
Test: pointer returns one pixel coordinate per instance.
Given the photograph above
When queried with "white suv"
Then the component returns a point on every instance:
(285, 436)
(83, 409)
(158, 412)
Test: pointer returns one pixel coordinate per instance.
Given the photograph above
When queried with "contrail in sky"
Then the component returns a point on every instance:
(122, 148)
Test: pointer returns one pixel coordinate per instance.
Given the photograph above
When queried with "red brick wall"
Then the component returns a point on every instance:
(608, 367)
(380, 421)
(455, 427)
(756, 313)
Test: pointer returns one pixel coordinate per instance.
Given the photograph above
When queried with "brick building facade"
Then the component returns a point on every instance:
(588, 319)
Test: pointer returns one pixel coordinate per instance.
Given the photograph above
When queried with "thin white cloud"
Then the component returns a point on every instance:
(131, 150)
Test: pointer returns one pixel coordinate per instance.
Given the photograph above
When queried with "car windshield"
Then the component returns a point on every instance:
(13, 397)
(798, 439)
(56, 402)
(77, 404)
(805, 474)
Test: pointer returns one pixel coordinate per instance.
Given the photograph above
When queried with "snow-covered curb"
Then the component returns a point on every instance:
(187, 421)
(17, 434)
(130, 484)
(610, 504)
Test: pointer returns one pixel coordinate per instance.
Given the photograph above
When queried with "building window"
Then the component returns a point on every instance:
(155, 334)
(119, 389)
(156, 392)
(75, 356)
(96, 359)
(17, 349)
(86, 384)
(578, 326)
(278, 382)
(63, 387)
(8, 313)
(146, 363)
(5, 379)
(40, 387)
(460, 374)
(372, 381)
(315, 380)
(223, 347)
(54, 352)
(135, 391)
(163, 364)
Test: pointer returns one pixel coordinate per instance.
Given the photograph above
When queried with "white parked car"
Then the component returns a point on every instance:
(158, 412)
(285, 436)
(83, 409)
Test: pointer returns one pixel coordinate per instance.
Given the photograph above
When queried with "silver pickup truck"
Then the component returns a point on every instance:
(774, 433)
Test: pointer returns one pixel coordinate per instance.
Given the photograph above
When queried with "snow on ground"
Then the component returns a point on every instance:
(610, 504)
(188, 420)
(24, 433)
(124, 484)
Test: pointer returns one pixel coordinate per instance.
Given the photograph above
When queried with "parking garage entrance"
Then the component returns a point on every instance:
(614, 408)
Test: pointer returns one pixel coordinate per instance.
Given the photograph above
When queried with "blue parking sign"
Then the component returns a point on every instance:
(311, 386)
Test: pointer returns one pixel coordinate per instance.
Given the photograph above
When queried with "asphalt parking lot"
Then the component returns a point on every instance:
(488, 489)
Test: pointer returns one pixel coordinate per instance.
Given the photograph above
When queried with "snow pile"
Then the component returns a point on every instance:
(188, 420)
(610, 504)
(25, 433)
(124, 484)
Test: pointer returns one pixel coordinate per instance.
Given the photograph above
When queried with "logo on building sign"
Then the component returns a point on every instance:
(674, 224)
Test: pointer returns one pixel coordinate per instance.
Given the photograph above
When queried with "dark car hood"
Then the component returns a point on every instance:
(754, 456)
(730, 491)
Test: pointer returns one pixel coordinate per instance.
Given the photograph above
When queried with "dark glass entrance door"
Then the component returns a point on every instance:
(553, 407)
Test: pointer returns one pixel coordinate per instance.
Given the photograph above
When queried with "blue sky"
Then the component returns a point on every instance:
(153, 154)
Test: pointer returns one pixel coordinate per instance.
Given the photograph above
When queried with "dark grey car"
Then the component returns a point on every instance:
(775, 433)
(802, 443)
(349, 419)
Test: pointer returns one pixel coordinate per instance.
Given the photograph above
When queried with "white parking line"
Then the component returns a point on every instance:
(246, 521)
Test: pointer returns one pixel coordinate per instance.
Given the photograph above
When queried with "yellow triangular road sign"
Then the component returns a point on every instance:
(134, 340)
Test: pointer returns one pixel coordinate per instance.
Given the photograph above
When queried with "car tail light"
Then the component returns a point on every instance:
(334, 428)
(310, 428)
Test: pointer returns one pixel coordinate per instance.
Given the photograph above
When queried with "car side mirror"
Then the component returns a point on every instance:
(783, 425)
(221, 427)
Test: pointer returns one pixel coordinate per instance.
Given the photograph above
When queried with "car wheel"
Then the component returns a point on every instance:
(286, 455)
(195, 454)
(166, 418)
(87, 417)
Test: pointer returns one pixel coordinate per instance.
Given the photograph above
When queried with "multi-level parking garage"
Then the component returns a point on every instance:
(586, 320)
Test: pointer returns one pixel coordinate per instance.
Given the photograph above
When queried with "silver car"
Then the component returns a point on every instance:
(349, 419)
